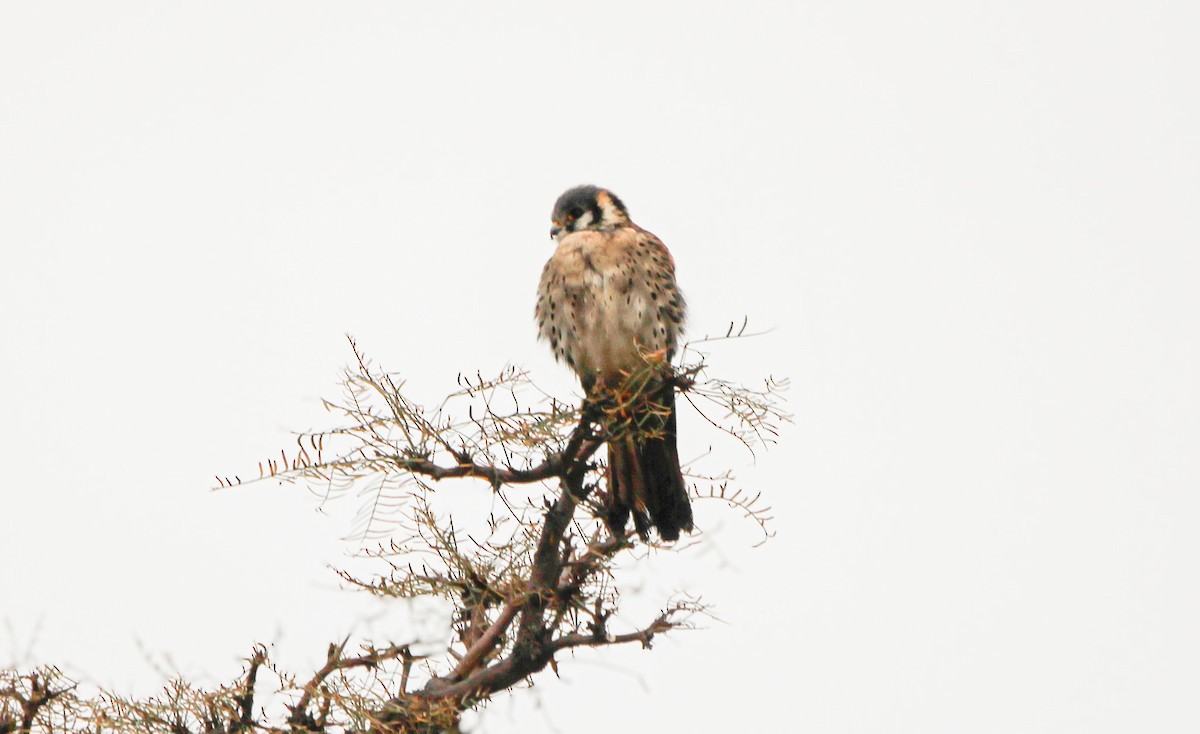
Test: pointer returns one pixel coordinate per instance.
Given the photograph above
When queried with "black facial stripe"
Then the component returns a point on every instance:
(574, 202)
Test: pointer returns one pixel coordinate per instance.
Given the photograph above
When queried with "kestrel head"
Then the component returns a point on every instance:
(587, 207)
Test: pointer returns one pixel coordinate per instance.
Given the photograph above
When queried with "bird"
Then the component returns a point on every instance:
(609, 306)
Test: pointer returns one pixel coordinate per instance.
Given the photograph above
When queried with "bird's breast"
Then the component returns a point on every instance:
(595, 306)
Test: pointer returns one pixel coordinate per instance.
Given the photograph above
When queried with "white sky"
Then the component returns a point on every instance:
(972, 228)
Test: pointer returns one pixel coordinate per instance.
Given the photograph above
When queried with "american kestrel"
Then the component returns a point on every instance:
(609, 307)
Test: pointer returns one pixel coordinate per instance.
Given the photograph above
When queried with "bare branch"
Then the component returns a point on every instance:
(538, 575)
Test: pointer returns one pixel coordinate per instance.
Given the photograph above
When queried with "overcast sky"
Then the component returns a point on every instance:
(971, 230)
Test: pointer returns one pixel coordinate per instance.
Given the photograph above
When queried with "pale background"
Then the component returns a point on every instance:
(970, 227)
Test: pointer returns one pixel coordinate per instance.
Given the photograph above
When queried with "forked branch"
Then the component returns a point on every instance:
(532, 579)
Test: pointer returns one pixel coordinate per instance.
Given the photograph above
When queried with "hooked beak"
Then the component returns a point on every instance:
(555, 230)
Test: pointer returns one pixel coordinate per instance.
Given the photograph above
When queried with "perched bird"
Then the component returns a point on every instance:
(609, 307)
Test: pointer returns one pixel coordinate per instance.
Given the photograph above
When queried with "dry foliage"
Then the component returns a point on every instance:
(528, 583)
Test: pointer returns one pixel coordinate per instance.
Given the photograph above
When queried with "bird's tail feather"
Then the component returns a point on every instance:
(644, 476)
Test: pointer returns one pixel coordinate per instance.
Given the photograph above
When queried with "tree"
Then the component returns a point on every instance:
(527, 584)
